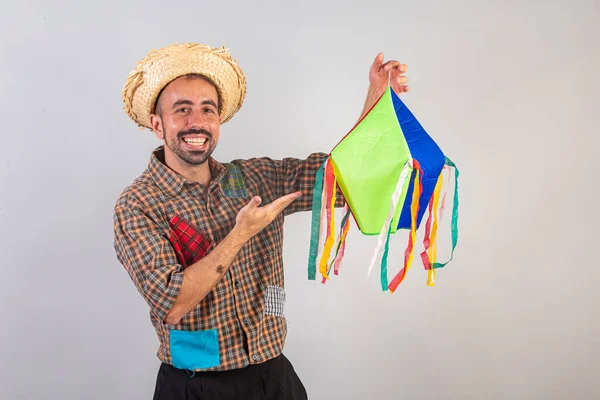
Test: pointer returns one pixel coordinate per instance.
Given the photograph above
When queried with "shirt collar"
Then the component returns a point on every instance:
(170, 182)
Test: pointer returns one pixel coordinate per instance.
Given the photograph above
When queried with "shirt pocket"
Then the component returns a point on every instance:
(275, 301)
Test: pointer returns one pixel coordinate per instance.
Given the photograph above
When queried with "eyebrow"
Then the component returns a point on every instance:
(182, 102)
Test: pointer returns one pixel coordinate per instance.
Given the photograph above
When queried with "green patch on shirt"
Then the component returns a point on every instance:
(234, 187)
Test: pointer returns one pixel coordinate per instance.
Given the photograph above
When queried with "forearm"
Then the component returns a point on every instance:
(201, 277)
(372, 98)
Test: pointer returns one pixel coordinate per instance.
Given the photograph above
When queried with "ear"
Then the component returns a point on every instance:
(157, 126)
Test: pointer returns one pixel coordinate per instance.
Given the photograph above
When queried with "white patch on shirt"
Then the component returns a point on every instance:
(275, 301)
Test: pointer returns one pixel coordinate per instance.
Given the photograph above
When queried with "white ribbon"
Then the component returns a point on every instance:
(390, 217)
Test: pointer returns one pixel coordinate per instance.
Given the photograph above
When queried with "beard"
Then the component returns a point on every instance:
(192, 157)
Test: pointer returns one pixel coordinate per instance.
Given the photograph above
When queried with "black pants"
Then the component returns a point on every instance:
(272, 380)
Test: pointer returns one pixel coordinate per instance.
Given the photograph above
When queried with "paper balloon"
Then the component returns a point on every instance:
(390, 171)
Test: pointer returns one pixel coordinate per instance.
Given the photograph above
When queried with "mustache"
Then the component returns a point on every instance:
(181, 134)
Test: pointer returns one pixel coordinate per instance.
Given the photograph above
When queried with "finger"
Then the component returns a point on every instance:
(402, 80)
(253, 203)
(378, 61)
(282, 202)
(398, 88)
(402, 68)
(388, 66)
(397, 72)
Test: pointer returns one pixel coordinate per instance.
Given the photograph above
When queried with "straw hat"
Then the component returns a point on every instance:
(162, 66)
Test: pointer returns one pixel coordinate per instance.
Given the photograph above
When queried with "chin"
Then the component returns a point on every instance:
(195, 157)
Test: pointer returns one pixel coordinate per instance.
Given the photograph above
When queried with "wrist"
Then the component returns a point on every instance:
(372, 97)
(239, 235)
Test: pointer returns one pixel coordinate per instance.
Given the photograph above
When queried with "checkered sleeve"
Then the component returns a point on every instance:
(297, 174)
(148, 257)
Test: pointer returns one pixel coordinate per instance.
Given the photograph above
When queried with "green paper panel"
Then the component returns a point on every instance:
(368, 162)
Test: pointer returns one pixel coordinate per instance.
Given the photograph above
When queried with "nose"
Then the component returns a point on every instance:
(196, 120)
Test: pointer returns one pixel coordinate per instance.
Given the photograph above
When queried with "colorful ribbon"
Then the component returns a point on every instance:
(384, 234)
(414, 209)
(341, 243)
(315, 235)
(330, 192)
(323, 221)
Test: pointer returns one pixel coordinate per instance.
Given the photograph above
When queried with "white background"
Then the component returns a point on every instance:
(510, 93)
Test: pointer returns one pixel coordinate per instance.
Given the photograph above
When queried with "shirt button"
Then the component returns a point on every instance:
(246, 321)
(255, 357)
(237, 284)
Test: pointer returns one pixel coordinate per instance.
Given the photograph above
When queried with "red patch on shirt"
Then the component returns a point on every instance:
(189, 243)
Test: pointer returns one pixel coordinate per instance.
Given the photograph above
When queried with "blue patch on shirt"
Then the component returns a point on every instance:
(195, 349)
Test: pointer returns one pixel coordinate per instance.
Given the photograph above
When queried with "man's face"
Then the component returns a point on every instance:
(187, 119)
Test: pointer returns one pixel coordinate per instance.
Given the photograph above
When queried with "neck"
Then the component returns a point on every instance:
(195, 173)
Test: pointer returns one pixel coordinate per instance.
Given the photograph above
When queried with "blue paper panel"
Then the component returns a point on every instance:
(426, 152)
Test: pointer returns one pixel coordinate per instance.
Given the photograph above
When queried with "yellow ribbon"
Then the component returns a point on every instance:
(331, 223)
(432, 251)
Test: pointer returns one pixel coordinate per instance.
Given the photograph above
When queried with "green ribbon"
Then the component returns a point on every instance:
(454, 223)
(384, 261)
(316, 222)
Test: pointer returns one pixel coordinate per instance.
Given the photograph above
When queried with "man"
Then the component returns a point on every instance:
(202, 240)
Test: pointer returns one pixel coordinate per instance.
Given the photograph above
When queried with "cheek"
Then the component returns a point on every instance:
(172, 128)
(216, 133)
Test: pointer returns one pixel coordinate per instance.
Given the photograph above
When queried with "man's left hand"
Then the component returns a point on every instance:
(389, 73)
(381, 75)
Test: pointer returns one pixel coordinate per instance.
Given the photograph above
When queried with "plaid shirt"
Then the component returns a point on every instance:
(164, 223)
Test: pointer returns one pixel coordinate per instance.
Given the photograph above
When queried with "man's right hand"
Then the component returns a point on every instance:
(252, 219)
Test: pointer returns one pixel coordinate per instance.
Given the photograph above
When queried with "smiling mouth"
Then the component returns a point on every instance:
(195, 143)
